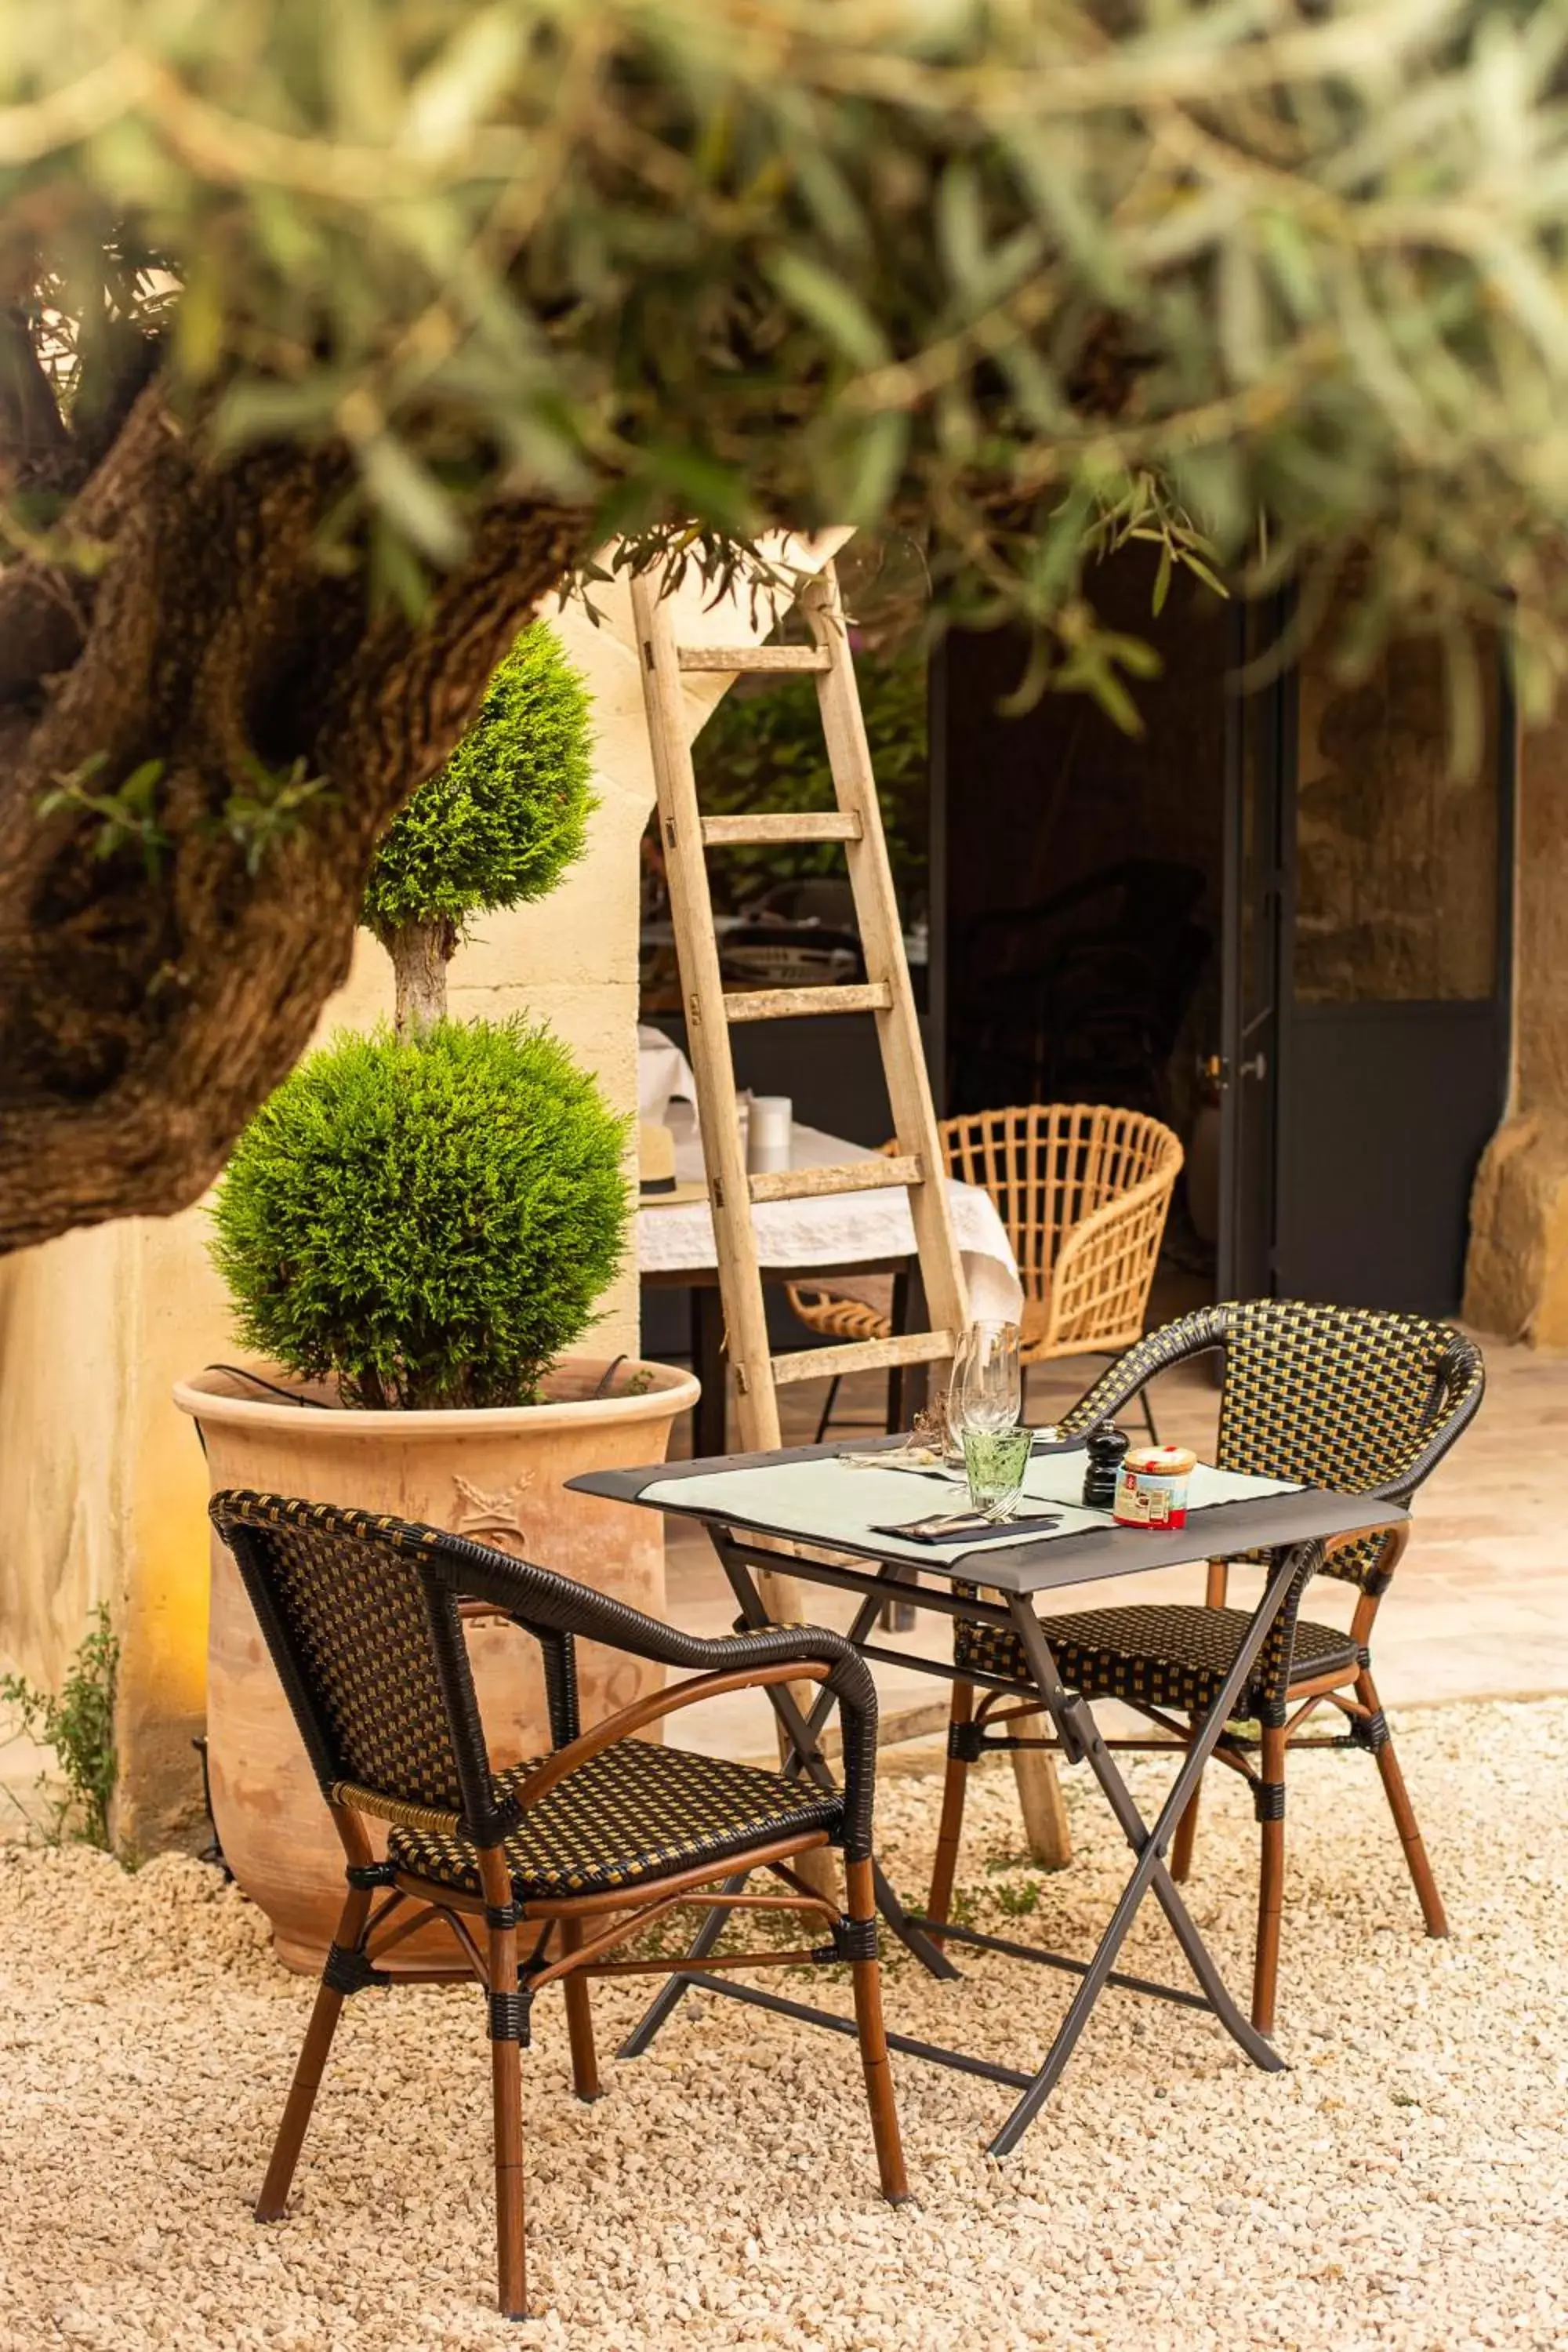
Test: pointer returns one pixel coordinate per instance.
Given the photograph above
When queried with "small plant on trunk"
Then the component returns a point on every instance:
(497, 827)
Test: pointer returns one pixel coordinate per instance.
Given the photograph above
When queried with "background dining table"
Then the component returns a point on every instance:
(865, 1242)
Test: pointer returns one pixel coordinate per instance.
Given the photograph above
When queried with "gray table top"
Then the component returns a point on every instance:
(1225, 1530)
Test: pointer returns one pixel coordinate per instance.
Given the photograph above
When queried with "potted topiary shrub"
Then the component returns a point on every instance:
(415, 1230)
(495, 827)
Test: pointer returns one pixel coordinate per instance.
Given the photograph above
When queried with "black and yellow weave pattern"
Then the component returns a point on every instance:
(1337, 1397)
(1357, 1401)
(362, 1616)
(1171, 1656)
(633, 1813)
(348, 1585)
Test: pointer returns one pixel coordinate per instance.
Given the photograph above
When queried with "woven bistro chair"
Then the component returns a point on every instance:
(1362, 1402)
(1084, 1192)
(542, 1870)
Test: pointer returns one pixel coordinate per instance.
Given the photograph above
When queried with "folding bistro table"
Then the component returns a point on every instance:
(809, 1496)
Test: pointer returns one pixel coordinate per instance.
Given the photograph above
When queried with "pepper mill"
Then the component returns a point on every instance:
(1106, 1446)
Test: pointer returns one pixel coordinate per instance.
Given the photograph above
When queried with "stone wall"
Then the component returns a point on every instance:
(1517, 1277)
(1396, 850)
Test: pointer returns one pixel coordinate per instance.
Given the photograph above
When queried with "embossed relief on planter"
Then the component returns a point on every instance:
(493, 1518)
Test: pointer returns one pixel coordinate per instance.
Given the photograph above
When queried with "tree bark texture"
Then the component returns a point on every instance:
(150, 998)
(420, 953)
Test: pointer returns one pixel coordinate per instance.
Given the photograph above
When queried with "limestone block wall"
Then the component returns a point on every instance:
(1517, 1276)
(102, 1487)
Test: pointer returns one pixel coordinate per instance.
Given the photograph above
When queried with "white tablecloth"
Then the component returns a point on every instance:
(841, 1230)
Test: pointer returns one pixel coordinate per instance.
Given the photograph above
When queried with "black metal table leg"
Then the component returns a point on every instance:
(708, 1420)
(896, 1374)
(899, 1616)
(1149, 1843)
(804, 1756)
(797, 1731)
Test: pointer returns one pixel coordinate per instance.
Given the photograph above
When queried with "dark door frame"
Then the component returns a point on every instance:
(1260, 1103)
(1259, 795)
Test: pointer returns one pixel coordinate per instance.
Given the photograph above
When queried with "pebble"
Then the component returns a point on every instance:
(1403, 2188)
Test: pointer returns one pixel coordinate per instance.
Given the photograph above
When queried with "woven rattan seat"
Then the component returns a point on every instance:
(633, 1813)
(1171, 1656)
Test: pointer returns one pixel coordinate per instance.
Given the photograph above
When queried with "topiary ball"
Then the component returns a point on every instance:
(433, 1222)
(501, 822)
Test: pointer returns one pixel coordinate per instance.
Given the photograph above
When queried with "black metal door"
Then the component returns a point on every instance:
(1367, 968)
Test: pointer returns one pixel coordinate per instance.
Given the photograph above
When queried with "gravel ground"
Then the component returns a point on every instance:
(1406, 2185)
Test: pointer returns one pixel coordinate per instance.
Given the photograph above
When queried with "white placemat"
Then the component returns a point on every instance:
(828, 1501)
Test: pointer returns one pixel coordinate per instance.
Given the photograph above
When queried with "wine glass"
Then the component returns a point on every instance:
(990, 1386)
(954, 1400)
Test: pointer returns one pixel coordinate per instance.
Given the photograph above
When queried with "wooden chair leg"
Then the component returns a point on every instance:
(580, 2021)
(951, 1827)
(506, 2098)
(867, 1975)
(311, 2066)
(829, 1404)
(1403, 1812)
(1271, 1878)
(1186, 1833)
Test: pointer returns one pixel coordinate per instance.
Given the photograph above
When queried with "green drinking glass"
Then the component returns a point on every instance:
(996, 1460)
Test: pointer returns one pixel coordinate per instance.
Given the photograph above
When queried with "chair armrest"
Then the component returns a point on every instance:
(652, 1708)
(1463, 1377)
(1095, 1243)
(541, 1599)
(549, 1605)
(1194, 1335)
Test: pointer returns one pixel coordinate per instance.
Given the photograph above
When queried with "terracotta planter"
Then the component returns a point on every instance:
(497, 1476)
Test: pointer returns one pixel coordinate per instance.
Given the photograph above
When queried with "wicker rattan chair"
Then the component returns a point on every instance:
(1339, 1397)
(539, 1870)
(1084, 1192)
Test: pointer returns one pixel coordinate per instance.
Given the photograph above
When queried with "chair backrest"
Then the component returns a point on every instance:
(1047, 1167)
(1348, 1397)
(360, 1613)
(1352, 1398)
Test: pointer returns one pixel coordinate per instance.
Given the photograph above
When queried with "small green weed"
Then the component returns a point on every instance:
(78, 1724)
(1018, 1902)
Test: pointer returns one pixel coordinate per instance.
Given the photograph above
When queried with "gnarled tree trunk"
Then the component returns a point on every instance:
(155, 986)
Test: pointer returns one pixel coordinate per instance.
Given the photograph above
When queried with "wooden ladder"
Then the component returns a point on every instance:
(711, 1010)
(917, 1164)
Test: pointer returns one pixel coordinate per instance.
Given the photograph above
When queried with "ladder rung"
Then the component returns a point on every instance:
(754, 657)
(850, 1176)
(825, 824)
(863, 1356)
(795, 1003)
